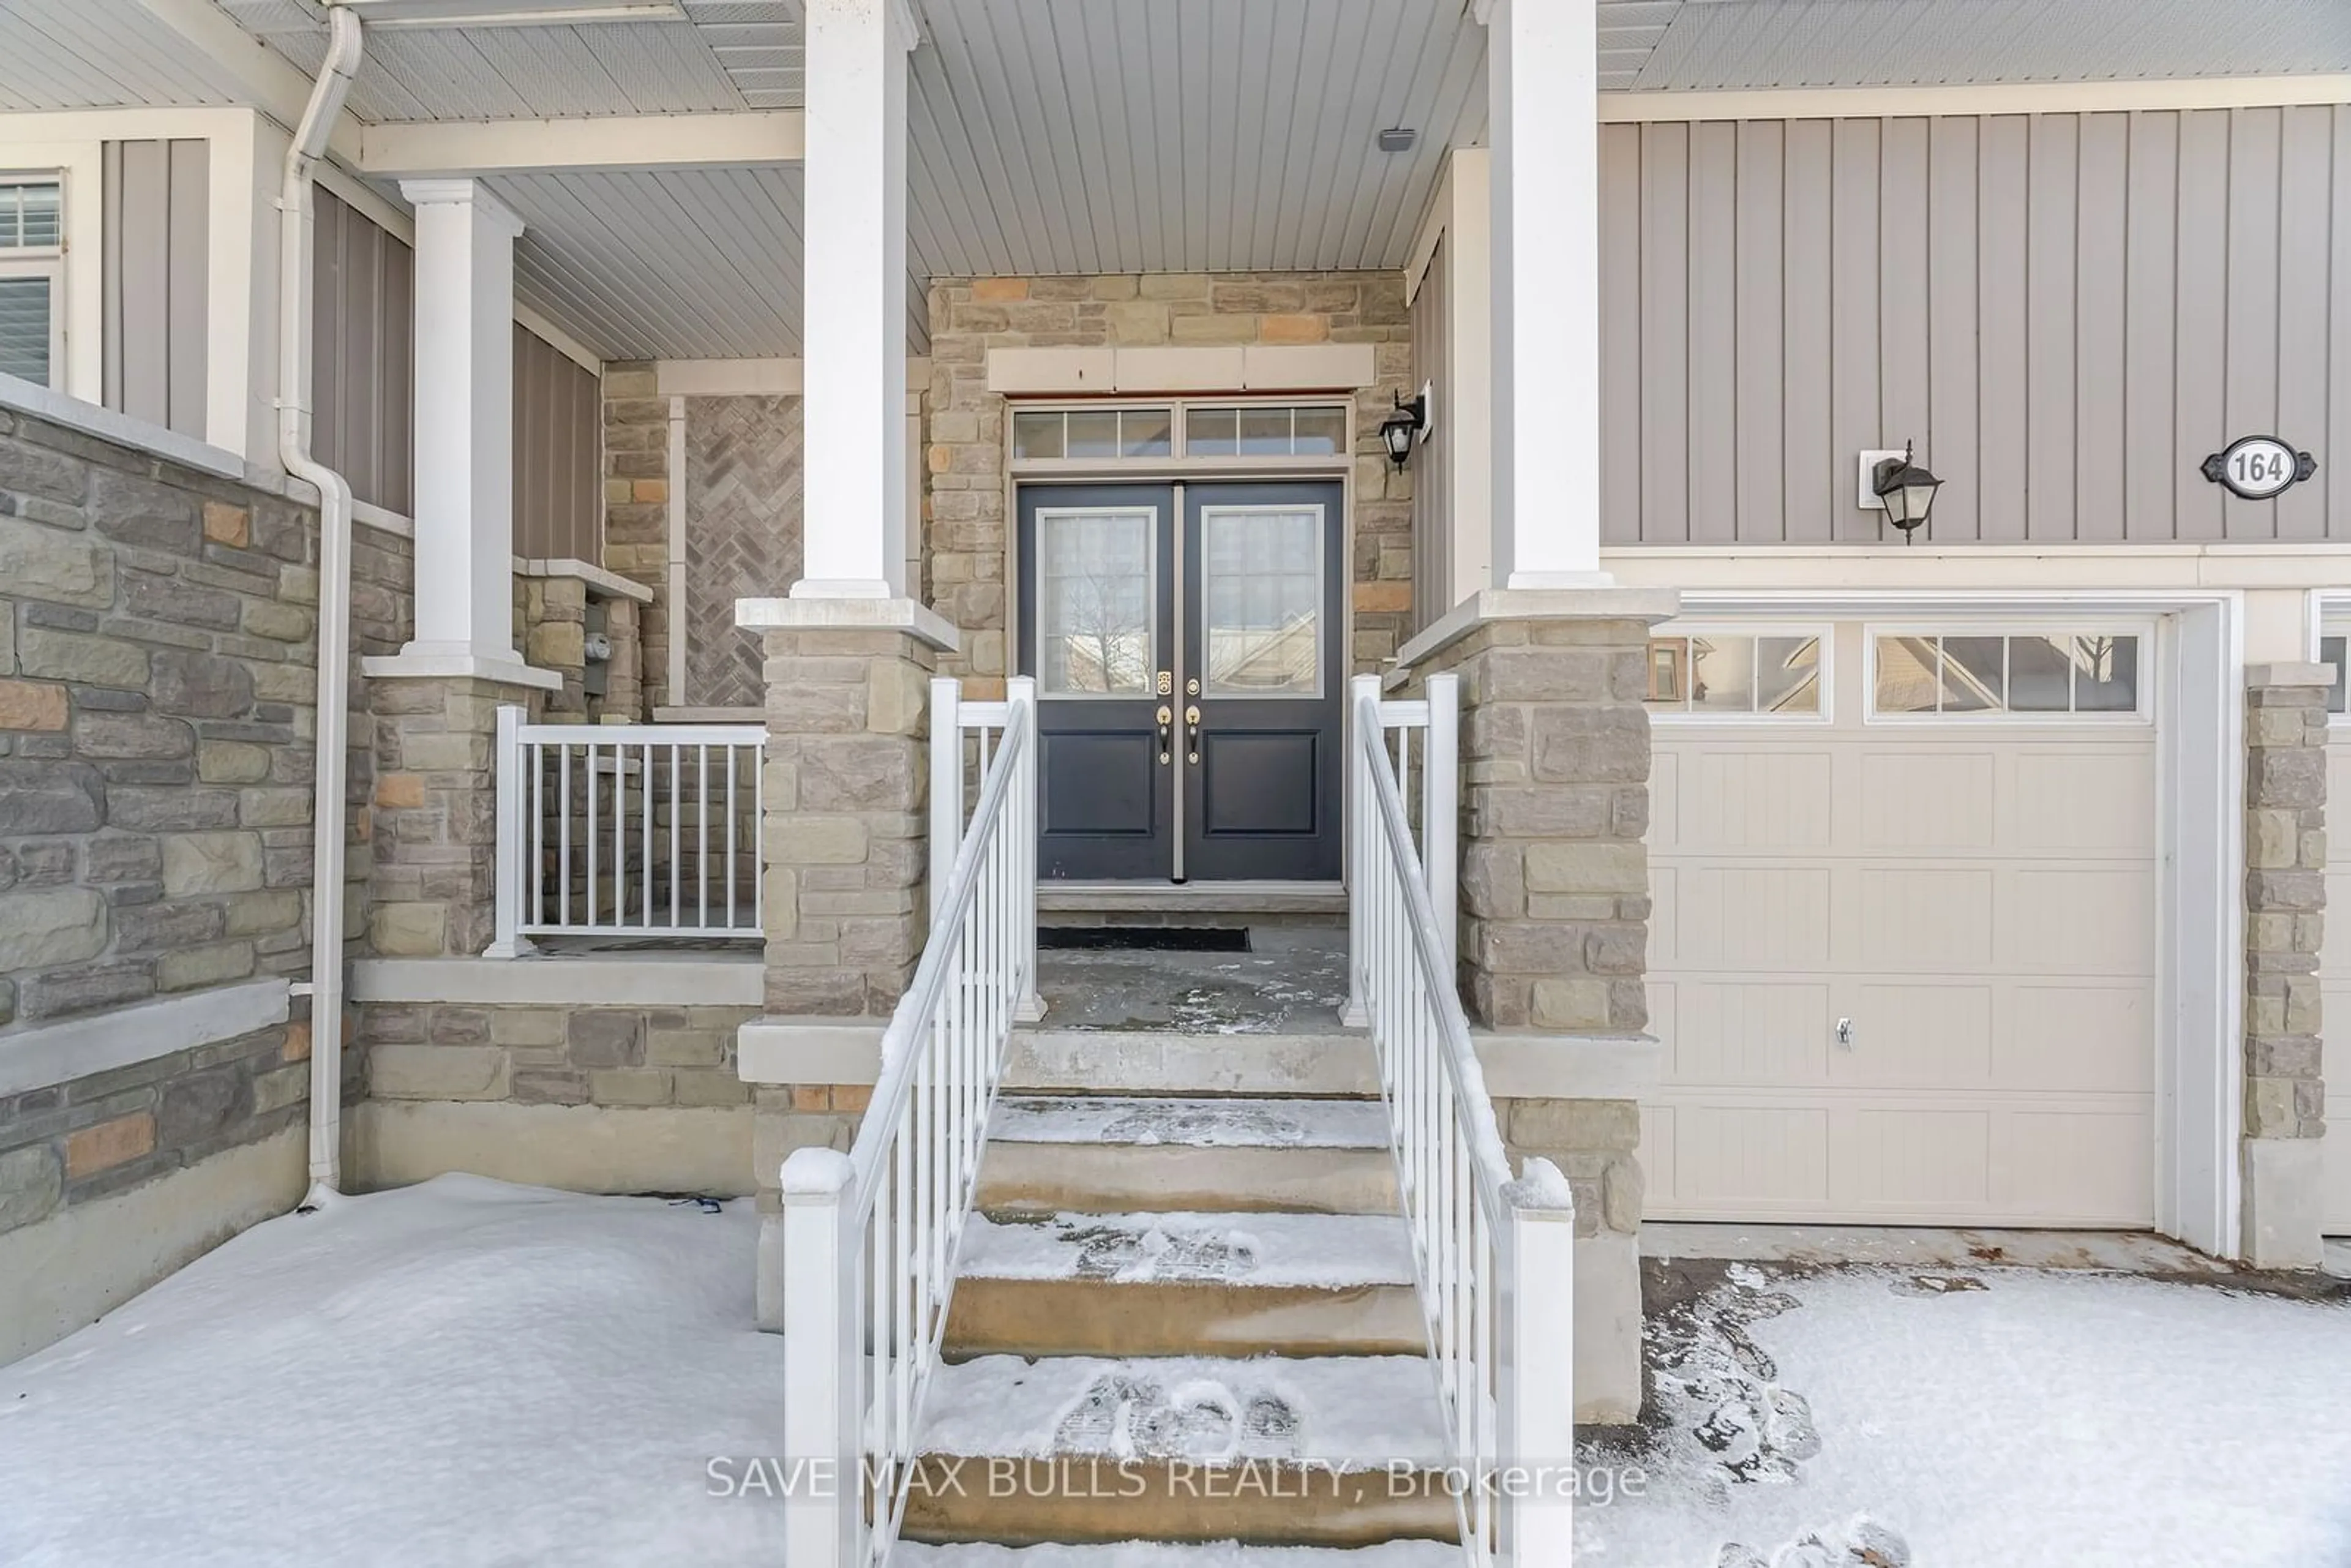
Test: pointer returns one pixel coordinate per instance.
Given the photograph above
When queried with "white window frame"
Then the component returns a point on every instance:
(43, 261)
(2140, 716)
(1822, 632)
(1321, 598)
(1158, 657)
(2330, 616)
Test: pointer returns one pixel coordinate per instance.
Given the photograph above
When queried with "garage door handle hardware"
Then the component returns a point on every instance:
(1844, 1033)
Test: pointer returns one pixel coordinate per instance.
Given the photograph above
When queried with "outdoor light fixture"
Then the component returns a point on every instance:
(1899, 486)
(1409, 420)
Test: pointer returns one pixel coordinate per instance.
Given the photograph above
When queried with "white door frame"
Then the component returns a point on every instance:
(2200, 824)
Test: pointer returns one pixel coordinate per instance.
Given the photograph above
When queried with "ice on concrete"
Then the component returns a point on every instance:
(460, 1372)
(1206, 1123)
(1327, 1250)
(1341, 1412)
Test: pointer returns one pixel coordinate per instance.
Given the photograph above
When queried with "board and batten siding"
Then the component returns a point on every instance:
(363, 364)
(1433, 590)
(2066, 312)
(558, 511)
(157, 231)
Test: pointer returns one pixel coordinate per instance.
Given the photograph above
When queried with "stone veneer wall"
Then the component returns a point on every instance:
(636, 509)
(157, 689)
(967, 529)
(550, 627)
(546, 1055)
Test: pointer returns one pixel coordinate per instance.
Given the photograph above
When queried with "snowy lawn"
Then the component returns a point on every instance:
(463, 1371)
(1987, 1418)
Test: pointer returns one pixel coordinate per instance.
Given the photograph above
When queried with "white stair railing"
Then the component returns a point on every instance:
(1428, 777)
(614, 830)
(870, 1237)
(952, 720)
(1494, 1255)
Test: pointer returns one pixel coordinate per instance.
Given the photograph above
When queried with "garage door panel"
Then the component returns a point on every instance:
(2080, 920)
(1750, 917)
(2081, 1166)
(2077, 1037)
(2334, 1203)
(1665, 801)
(1742, 1032)
(2334, 997)
(1657, 1154)
(1910, 1158)
(1925, 918)
(1771, 802)
(2085, 802)
(1748, 1153)
(1918, 1034)
(1933, 802)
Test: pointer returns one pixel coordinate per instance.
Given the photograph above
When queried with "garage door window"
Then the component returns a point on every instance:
(1726, 675)
(2334, 643)
(2078, 674)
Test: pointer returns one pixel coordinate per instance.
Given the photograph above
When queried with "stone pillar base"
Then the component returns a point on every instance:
(1597, 1143)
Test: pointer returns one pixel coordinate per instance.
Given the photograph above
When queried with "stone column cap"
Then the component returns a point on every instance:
(1491, 604)
(847, 616)
(1535, 1065)
(2289, 674)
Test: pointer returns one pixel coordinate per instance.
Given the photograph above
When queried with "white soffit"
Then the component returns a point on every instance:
(101, 54)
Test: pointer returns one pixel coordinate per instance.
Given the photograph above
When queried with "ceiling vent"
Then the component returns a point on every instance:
(1398, 138)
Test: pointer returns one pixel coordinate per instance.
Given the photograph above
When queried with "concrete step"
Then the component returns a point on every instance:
(1185, 1284)
(1272, 1450)
(1158, 1554)
(1109, 1153)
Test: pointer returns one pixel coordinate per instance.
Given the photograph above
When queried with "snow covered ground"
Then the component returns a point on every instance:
(470, 1373)
(460, 1372)
(1989, 1418)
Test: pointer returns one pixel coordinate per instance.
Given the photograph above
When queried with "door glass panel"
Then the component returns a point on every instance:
(1787, 674)
(1722, 675)
(2106, 674)
(2039, 674)
(1974, 674)
(1321, 431)
(1209, 432)
(1095, 598)
(1265, 432)
(1037, 434)
(1262, 600)
(1094, 432)
(1146, 432)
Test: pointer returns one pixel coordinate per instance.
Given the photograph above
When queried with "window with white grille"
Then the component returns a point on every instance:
(32, 274)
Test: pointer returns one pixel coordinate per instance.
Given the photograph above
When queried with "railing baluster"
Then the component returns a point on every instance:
(590, 771)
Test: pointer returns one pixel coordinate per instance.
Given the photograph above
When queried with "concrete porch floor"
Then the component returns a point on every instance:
(1291, 981)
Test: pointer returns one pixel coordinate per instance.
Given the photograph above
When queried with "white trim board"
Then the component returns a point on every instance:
(602, 979)
(1982, 98)
(2199, 801)
(44, 1054)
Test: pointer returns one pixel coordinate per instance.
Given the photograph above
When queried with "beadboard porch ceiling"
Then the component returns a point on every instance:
(1078, 136)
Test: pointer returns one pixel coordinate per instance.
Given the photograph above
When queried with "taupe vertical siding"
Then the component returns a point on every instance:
(2066, 312)
(157, 238)
(558, 422)
(363, 362)
(1432, 485)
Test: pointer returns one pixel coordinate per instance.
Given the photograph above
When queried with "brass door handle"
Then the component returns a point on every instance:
(1166, 717)
(1192, 742)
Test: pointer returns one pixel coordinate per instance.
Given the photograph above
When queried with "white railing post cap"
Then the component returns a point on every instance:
(816, 1176)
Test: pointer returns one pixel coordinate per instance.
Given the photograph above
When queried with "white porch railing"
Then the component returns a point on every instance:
(641, 831)
(1427, 777)
(1494, 1255)
(870, 1237)
(983, 724)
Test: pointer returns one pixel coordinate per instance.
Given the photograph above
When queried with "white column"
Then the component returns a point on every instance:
(464, 435)
(1543, 83)
(854, 343)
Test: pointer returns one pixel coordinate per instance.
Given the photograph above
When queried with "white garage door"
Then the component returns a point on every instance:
(1903, 951)
(2335, 963)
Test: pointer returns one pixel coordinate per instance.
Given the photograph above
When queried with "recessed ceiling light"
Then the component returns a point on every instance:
(1398, 138)
(505, 13)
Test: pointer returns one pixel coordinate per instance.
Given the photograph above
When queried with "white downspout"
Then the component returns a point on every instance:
(326, 892)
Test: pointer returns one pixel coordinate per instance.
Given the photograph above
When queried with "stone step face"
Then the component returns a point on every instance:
(1104, 1153)
(1221, 1284)
(1340, 1451)
(1159, 1554)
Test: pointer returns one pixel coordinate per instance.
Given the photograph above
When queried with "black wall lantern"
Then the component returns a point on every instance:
(1409, 420)
(1905, 489)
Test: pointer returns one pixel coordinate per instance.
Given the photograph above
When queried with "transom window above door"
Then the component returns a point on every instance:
(1257, 435)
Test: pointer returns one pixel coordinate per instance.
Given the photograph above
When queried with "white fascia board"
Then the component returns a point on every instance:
(274, 84)
(411, 149)
(1976, 98)
(555, 338)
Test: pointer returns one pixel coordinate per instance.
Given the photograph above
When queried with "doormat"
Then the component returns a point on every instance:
(1145, 938)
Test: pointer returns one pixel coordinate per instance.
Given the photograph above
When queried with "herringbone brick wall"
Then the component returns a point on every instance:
(743, 536)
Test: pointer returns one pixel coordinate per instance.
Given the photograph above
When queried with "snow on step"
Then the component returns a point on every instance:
(1328, 1250)
(1341, 1413)
(1152, 1555)
(1201, 1123)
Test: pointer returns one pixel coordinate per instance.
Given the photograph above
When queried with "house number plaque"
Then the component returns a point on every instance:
(2256, 467)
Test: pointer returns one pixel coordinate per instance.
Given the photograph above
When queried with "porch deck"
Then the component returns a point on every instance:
(1291, 982)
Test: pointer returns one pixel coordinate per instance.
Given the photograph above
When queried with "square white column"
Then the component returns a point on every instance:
(1543, 81)
(854, 342)
(463, 437)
